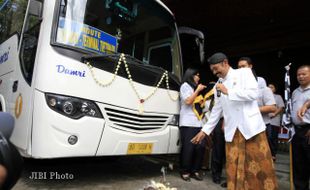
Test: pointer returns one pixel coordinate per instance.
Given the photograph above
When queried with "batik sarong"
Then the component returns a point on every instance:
(249, 164)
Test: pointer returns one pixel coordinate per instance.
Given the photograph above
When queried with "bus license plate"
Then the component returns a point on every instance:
(140, 148)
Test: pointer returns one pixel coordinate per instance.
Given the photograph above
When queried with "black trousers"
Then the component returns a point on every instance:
(218, 151)
(272, 135)
(301, 158)
(191, 155)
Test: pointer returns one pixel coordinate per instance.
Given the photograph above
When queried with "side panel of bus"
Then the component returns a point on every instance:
(22, 85)
(14, 93)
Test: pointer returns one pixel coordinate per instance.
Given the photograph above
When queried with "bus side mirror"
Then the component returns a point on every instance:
(35, 8)
(199, 40)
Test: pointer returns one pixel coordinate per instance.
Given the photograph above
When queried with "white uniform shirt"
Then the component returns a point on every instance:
(187, 115)
(261, 82)
(299, 97)
(276, 121)
(265, 98)
(239, 107)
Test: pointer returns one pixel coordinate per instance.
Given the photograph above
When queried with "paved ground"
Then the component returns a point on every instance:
(125, 173)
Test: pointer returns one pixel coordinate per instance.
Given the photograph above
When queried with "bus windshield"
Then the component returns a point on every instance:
(140, 28)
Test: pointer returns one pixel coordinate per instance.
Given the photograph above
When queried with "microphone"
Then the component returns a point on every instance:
(219, 92)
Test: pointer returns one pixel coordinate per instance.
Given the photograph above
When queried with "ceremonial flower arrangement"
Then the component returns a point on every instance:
(122, 59)
(158, 186)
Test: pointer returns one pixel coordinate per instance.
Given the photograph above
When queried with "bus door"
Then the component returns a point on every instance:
(23, 83)
(11, 22)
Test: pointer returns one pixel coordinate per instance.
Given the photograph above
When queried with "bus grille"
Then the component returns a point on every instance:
(123, 119)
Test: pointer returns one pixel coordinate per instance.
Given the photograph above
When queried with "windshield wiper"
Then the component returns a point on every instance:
(114, 56)
(151, 68)
(109, 57)
(130, 59)
(143, 73)
(134, 60)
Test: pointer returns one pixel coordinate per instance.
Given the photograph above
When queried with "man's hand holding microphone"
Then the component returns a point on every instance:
(220, 88)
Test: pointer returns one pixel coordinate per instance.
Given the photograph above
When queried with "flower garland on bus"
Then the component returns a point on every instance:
(122, 59)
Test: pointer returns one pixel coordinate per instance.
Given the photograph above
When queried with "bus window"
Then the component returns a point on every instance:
(29, 46)
(12, 14)
(160, 56)
(159, 48)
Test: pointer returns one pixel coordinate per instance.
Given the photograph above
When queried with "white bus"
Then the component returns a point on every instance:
(90, 77)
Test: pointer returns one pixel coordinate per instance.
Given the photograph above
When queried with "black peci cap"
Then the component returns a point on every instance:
(217, 58)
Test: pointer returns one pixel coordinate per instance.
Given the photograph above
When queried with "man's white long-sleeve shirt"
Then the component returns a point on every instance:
(239, 108)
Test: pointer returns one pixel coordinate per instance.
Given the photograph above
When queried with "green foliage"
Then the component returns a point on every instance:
(12, 17)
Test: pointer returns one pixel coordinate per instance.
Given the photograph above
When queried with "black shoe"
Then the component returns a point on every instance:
(216, 180)
(205, 169)
(197, 176)
(224, 185)
(186, 177)
(273, 158)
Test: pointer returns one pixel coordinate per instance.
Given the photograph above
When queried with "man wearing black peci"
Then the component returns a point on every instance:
(248, 157)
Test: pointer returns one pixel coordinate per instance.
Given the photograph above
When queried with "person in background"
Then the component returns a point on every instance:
(246, 62)
(191, 155)
(218, 153)
(208, 149)
(217, 147)
(265, 100)
(248, 158)
(206, 159)
(267, 105)
(275, 121)
(301, 120)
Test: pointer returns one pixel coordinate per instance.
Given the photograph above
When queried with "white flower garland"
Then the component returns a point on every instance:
(122, 59)
(159, 186)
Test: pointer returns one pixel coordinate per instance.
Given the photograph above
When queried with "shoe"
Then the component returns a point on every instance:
(197, 176)
(224, 185)
(186, 177)
(216, 181)
(205, 169)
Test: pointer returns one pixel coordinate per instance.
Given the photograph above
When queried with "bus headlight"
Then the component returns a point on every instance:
(174, 120)
(72, 107)
(68, 108)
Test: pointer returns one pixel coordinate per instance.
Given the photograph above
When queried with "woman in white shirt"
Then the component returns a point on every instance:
(191, 154)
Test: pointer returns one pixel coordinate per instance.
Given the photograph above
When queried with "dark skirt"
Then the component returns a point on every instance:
(191, 155)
